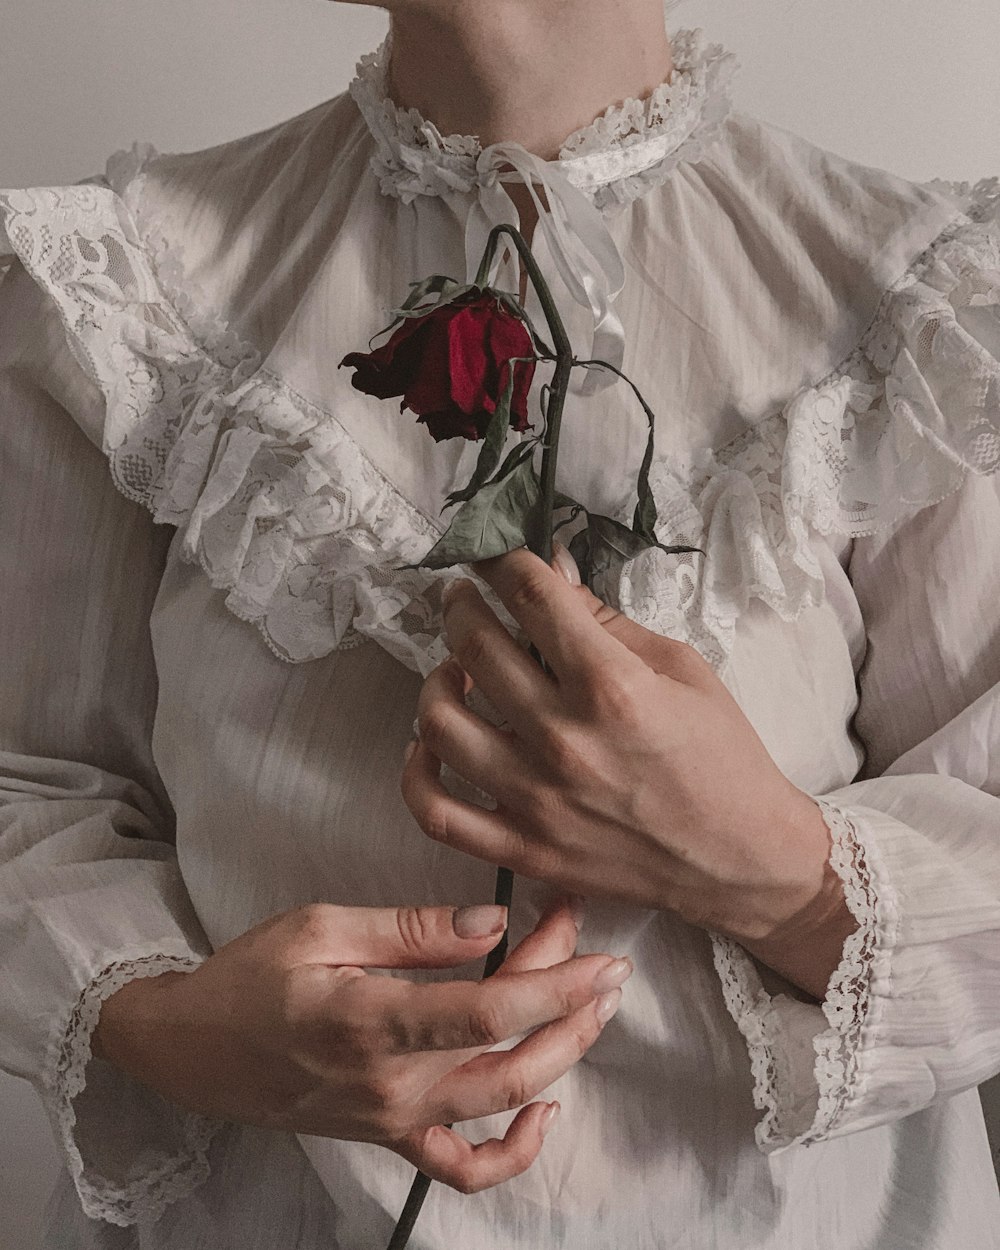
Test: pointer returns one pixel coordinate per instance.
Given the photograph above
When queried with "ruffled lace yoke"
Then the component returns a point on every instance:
(630, 148)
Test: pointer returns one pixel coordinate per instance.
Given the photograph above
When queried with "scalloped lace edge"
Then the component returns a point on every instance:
(674, 123)
(850, 1008)
(174, 1176)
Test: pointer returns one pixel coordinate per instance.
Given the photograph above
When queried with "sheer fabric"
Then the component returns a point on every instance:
(212, 657)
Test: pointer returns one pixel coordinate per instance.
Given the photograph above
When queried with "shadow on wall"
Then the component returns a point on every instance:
(29, 1163)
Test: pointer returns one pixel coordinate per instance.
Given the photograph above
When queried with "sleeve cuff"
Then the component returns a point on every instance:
(809, 1062)
(129, 1151)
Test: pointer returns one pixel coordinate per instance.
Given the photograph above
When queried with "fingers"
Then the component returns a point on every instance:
(457, 1015)
(552, 614)
(445, 1156)
(465, 826)
(477, 750)
(393, 937)
(502, 1080)
(552, 941)
(515, 684)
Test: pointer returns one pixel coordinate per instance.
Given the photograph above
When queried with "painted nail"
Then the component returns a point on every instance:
(565, 563)
(479, 921)
(607, 1006)
(549, 1118)
(613, 975)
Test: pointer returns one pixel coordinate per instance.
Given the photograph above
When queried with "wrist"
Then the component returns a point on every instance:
(804, 942)
(131, 1021)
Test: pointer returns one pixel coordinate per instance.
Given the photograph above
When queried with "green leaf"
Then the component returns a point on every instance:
(436, 284)
(644, 519)
(605, 546)
(499, 518)
(518, 453)
(450, 290)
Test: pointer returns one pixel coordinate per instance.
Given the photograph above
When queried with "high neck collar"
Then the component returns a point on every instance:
(628, 149)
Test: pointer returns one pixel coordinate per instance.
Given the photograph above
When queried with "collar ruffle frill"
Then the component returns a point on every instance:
(287, 515)
(631, 148)
(601, 168)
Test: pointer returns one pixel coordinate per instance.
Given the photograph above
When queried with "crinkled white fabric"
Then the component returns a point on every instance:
(826, 386)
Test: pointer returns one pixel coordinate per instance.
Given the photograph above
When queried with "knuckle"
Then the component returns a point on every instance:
(582, 1038)
(465, 1180)
(485, 1025)
(415, 929)
(565, 751)
(530, 593)
(435, 723)
(681, 655)
(472, 648)
(616, 697)
(433, 820)
(516, 1091)
(384, 1101)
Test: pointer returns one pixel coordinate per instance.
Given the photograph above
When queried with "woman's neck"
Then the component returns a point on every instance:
(530, 71)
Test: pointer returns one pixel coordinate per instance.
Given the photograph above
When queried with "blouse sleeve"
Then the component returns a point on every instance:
(90, 891)
(912, 1014)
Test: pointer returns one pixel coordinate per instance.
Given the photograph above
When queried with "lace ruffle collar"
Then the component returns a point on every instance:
(631, 147)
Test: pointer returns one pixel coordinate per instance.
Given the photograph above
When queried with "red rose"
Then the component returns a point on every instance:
(451, 366)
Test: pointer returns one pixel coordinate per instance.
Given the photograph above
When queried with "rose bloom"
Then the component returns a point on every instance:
(451, 366)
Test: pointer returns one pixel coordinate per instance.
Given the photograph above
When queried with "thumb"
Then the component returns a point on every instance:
(409, 937)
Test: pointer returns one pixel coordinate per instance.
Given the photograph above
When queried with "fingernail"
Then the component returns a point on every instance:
(479, 921)
(612, 975)
(411, 746)
(549, 1118)
(576, 906)
(565, 563)
(607, 1006)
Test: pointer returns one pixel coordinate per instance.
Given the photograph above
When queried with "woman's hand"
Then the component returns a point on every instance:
(283, 1028)
(628, 771)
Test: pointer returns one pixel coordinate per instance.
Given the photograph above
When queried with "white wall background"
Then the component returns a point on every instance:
(910, 85)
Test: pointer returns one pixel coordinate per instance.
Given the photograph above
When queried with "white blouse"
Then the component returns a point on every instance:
(204, 708)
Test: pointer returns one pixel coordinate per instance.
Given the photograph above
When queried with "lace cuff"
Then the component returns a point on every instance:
(129, 1151)
(808, 1061)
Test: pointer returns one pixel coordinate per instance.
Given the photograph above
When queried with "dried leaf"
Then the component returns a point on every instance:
(502, 516)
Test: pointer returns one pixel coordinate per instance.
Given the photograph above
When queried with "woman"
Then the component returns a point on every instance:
(234, 961)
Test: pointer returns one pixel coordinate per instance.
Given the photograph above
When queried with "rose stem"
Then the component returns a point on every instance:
(541, 544)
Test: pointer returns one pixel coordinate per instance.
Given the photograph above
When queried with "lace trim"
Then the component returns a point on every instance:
(631, 147)
(895, 428)
(849, 1006)
(282, 509)
(169, 1179)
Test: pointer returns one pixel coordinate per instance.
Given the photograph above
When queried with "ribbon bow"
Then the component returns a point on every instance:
(578, 238)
